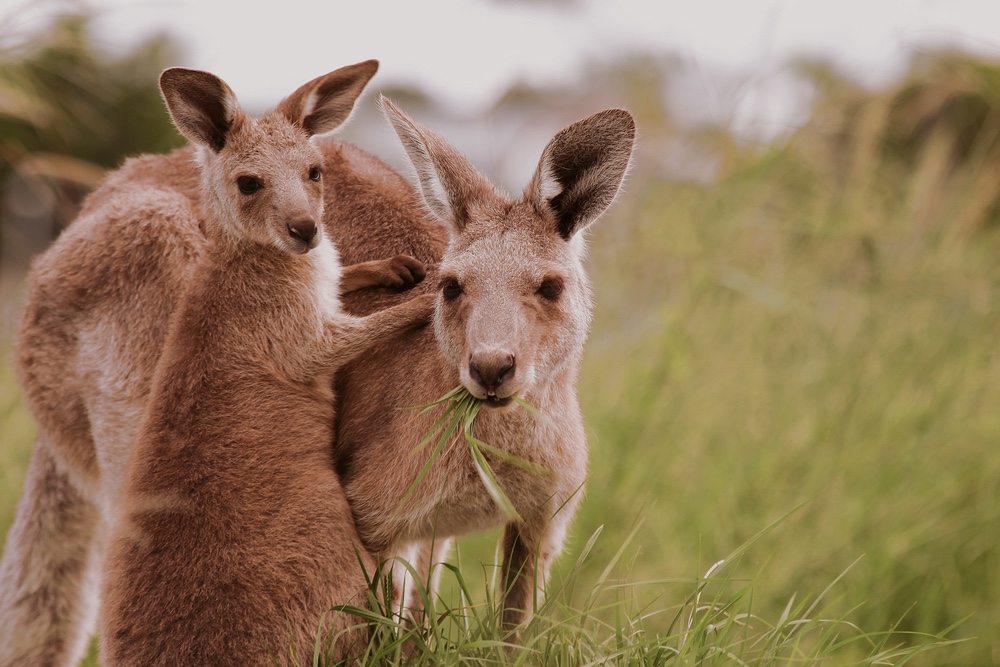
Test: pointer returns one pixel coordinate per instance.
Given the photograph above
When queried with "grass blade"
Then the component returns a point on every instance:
(488, 478)
(461, 406)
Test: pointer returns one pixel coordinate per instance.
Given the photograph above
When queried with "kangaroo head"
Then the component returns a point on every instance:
(262, 178)
(513, 307)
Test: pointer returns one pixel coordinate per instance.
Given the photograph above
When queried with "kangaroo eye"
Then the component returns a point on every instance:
(450, 289)
(315, 174)
(248, 184)
(551, 288)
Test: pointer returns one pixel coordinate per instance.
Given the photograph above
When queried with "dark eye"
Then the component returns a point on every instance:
(551, 288)
(248, 184)
(450, 289)
(315, 174)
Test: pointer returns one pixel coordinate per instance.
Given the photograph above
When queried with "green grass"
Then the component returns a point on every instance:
(459, 408)
(774, 339)
(18, 434)
(607, 620)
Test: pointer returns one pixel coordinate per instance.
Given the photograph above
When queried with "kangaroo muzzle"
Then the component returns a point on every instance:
(304, 232)
(493, 371)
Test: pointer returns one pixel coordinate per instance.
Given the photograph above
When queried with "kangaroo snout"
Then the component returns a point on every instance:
(490, 370)
(304, 232)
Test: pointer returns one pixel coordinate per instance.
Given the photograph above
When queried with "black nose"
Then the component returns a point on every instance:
(303, 230)
(490, 370)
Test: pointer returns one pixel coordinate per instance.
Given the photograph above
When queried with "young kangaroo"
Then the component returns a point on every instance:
(234, 537)
(512, 314)
(99, 304)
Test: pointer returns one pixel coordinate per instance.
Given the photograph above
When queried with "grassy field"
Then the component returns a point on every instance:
(793, 369)
(776, 340)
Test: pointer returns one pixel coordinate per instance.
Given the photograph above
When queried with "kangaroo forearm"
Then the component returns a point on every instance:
(519, 576)
(528, 552)
(348, 337)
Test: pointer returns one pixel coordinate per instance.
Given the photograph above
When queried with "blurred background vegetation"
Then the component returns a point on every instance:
(811, 318)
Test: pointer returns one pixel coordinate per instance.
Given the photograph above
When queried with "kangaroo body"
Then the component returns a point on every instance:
(94, 330)
(512, 314)
(93, 327)
(233, 537)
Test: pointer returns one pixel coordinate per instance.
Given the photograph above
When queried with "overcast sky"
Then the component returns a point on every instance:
(468, 51)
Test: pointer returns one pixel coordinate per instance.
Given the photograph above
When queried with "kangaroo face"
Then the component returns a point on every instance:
(262, 177)
(266, 184)
(513, 303)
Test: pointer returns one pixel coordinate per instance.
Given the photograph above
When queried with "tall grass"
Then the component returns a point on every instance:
(793, 333)
(611, 620)
(18, 433)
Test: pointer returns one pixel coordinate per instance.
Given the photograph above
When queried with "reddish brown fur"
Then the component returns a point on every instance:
(236, 536)
(523, 295)
(94, 325)
(233, 537)
(95, 322)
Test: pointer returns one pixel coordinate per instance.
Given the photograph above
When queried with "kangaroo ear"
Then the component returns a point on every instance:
(448, 181)
(201, 105)
(324, 103)
(582, 168)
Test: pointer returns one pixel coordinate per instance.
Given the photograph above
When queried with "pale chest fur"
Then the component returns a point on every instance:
(326, 273)
(452, 499)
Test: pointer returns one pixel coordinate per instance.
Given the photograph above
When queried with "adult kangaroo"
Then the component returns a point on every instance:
(512, 315)
(99, 303)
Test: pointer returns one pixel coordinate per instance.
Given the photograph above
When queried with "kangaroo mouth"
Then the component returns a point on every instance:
(490, 399)
(301, 248)
(494, 401)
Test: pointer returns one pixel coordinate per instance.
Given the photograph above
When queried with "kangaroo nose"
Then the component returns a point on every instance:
(303, 230)
(490, 370)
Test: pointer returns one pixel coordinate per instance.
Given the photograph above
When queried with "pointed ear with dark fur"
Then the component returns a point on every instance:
(582, 169)
(448, 181)
(201, 105)
(327, 101)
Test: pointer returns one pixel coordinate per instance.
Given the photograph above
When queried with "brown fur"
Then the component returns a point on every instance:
(516, 265)
(233, 537)
(94, 325)
(95, 322)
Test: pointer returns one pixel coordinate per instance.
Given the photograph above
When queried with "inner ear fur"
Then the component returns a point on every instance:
(582, 168)
(323, 104)
(202, 106)
(449, 183)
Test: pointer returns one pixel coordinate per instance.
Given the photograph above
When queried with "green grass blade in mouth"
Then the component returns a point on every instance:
(442, 441)
(437, 426)
(483, 467)
(454, 395)
(489, 480)
(462, 407)
(509, 458)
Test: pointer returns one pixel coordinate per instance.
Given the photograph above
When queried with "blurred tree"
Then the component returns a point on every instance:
(934, 137)
(68, 112)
